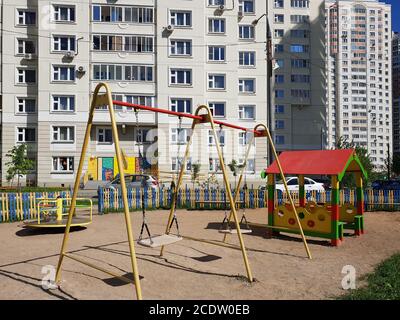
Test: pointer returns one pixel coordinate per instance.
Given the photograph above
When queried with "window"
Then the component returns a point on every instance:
(180, 48)
(63, 103)
(181, 18)
(104, 135)
(278, 3)
(279, 78)
(279, 48)
(181, 105)
(63, 164)
(279, 124)
(26, 105)
(127, 14)
(216, 53)
(246, 6)
(250, 165)
(216, 25)
(63, 73)
(176, 164)
(300, 63)
(279, 18)
(279, 63)
(114, 72)
(26, 134)
(64, 13)
(214, 165)
(142, 100)
(247, 86)
(216, 81)
(180, 76)
(123, 43)
(217, 109)
(63, 134)
(180, 136)
(279, 33)
(279, 109)
(26, 46)
(220, 135)
(246, 32)
(26, 76)
(299, 33)
(300, 48)
(64, 43)
(245, 138)
(26, 17)
(247, 58)
(300, 3)
(300, 78)
(247, 112)
(300, 93)
(279, 139)
(279, 93)
(298, 18)
(216, 2)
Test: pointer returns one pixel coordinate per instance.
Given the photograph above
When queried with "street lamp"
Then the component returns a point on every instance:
(269, 77)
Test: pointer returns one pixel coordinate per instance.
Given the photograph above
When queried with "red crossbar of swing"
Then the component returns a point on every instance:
(183, 115)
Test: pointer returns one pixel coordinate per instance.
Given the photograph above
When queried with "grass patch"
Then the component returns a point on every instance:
(383, 283)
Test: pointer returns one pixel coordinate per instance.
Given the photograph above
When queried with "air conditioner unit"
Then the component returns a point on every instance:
(70, 54)
(169, 28)
(240, 14)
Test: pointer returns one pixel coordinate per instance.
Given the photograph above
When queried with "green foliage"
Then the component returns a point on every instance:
(195, 172)
(19, 165)
(383, 283)
(365, 159)
(235, 167)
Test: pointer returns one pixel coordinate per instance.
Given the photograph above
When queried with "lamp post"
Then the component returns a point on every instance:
(269, 76)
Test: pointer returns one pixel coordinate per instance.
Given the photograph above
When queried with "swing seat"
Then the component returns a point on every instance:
(160, 240)
(234, 231)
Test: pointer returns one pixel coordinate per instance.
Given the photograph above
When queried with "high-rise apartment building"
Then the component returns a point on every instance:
(298, 80)
(359, 75)
(396, 92)
(175, 55)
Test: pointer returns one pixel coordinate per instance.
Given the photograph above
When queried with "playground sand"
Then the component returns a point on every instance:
(189, 269)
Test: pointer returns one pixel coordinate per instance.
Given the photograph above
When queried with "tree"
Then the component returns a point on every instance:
(19, 165)
(362, 154)
(396, 164)
(235, 167)
(195, 173)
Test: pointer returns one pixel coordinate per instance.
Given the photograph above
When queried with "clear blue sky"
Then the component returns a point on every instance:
(395, 14)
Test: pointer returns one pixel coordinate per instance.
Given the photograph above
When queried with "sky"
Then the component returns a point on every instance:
(395, 14)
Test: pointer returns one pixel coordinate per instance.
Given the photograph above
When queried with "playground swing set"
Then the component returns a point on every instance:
(105, 99)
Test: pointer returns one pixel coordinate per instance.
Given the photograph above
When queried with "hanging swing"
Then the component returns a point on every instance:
(154, 241)
(244, 225)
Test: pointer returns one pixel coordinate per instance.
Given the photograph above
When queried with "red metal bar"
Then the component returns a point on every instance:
(182, 114)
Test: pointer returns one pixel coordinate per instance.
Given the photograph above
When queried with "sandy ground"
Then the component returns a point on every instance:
(190, 269)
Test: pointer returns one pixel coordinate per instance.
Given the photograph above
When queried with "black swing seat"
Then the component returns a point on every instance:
(159, 240)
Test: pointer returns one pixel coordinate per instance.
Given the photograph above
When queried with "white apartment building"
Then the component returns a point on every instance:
(396, 91)
(359, 75)
(174, 55)
(299, 78)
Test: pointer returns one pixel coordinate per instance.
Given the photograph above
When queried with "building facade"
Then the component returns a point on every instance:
(174, 55)
(299, 79)
(359, 75)
(396, 91)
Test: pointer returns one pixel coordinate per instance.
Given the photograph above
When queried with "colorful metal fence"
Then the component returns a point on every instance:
(110, 199)
(23, 206)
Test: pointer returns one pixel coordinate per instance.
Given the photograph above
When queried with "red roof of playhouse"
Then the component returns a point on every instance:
(318, 162)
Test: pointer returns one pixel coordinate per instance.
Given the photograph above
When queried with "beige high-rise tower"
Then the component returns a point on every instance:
(359, 75)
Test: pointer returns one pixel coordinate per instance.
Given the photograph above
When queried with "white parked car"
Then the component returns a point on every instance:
(293, 185)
